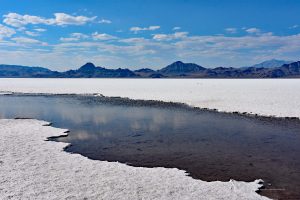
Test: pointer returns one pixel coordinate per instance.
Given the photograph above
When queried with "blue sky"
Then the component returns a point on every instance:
(64, 34)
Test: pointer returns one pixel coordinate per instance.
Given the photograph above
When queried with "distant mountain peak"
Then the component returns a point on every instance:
(180, 67)
(87, 66)
(178, 62)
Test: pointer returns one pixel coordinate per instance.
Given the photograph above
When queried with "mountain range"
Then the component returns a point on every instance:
(177, 69)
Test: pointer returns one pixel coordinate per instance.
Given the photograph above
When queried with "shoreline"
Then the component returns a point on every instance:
(50, 156)
(156, 103)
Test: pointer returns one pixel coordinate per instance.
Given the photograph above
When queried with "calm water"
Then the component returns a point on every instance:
(209, 145)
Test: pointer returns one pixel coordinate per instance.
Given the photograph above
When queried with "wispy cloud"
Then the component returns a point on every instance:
(69, 39)
(253, 30)
(102, 36)
(25, 40)
(231, 30)
(6, 31)
(105, 21)
(74, 37)
(176, 28)
(40, 29)
(294, 26)
(167, 37)
(134, 40)
(33, 34)
(137, 29)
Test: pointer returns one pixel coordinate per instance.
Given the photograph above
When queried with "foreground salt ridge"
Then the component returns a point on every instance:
(33, 168)
(266, 97)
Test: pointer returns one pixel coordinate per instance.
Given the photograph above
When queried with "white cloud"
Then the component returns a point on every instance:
(167, 37)
(40, 29)
(176, 28)
(161, 37)
(25, 40)
(105, 21)
(30, 33)
(17, 20)
(79, 35)
(70, 39)
(253, 30)
(134, 40)
(137, 29)
(102, 36)
(266, 34)
(74, 37)
(21, 29)
(152, 28)
(65, 19)
(6, 31)
(231, 30)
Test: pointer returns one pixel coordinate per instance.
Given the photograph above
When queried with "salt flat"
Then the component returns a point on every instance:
(268, 97)
(32, 168)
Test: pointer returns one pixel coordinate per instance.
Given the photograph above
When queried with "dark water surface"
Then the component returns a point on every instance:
(209, 145)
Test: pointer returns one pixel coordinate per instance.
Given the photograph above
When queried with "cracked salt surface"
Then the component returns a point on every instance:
(268, 97)
(33, 168)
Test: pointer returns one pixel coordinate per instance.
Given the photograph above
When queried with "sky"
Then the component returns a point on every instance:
(65, 34)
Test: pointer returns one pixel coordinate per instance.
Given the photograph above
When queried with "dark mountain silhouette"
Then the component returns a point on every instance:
(157, 75)
(179, 67)
(89, 70)
(145, 72)
(8, 71)
(287, 70)
(175, 70)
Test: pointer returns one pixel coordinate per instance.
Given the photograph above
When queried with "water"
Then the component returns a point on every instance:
(209, 145)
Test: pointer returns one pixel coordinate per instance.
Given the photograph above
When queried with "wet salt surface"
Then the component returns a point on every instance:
(209, 145)
(266, 97)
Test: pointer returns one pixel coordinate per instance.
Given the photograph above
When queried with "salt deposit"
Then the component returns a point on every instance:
(268, 97)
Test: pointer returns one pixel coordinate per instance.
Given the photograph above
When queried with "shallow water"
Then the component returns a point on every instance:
(208, 145)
